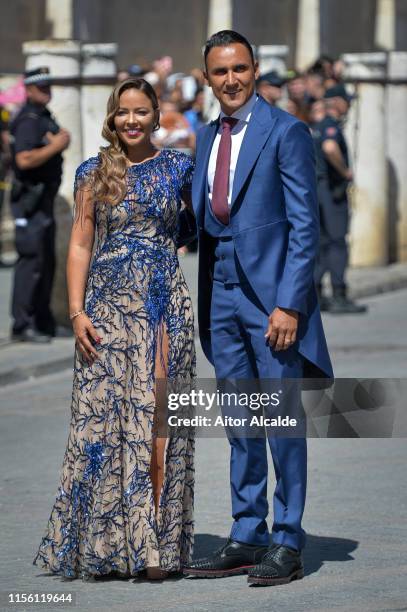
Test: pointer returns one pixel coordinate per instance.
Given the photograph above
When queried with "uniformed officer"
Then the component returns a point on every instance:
(37, 143)
(334, 176)
(269, 86)
(4, 166)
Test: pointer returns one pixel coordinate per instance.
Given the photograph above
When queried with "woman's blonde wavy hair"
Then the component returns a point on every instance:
(109, 182)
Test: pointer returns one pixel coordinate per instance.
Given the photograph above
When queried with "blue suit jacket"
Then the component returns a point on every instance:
(274, 222)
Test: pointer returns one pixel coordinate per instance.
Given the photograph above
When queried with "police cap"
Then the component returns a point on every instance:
(273, 78)
(37, 76)
(338, 91)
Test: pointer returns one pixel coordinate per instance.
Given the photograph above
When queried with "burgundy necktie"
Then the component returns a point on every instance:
(220, 187)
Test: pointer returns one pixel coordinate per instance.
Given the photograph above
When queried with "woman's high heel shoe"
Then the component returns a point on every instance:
(156, 573)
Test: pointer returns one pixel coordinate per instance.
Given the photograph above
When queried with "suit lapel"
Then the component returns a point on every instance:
(201, 170)
(257, 132)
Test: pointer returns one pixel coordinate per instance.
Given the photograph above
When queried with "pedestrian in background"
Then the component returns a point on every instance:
(314, 86)
(175, 131)
(4, 167)
(334, 176)
(37, 143)
(298, 98)
(269, 86)
(195, 114)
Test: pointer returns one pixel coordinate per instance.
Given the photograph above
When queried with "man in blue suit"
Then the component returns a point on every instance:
(254, 196)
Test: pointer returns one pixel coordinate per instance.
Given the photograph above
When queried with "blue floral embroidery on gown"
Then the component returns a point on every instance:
(104, 518)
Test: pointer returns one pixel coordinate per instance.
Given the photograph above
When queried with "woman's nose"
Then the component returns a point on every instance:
(131, 118)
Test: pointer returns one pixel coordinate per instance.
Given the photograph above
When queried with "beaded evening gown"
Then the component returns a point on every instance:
(104, 517)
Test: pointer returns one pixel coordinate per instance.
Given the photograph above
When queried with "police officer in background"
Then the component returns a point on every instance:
(269, 86)
(334, 176)
(37, 143)
(4, 166)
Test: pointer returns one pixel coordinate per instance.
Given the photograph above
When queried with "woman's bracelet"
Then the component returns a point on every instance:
(76, 314)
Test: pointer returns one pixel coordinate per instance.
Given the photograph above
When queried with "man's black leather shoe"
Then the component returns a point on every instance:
(30, 335)
(231, 559)
(279, 565)
(63, 332)
(341, 304)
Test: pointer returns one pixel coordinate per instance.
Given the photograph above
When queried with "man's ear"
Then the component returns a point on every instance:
(256, 70)
(205, 75)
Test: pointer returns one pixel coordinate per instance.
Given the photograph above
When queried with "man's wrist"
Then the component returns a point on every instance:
(53, 149)
(290, 311)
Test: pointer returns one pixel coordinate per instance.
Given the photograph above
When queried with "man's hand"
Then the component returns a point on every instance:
(282, 329)
(59, 141)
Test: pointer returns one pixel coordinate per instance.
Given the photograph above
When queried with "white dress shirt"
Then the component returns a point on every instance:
(243, 115)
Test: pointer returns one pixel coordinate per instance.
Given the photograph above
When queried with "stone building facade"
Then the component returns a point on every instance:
(146, 30)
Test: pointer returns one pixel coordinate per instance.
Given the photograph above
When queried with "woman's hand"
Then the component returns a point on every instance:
(85, 333)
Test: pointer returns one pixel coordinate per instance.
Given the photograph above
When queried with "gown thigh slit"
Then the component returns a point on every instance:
(159, 440)
(104, 518)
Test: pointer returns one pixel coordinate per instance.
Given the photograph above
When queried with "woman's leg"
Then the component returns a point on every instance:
(157, 466)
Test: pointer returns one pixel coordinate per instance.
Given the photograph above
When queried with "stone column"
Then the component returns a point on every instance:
(385, 26)
(58, 14)
(98, 78)
(272, 57)
(219, 18)
(63, 59)
(396, 129)
(308, 33)
(211, 105)
(369, 224)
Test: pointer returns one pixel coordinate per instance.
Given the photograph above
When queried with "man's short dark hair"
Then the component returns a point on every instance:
(225, 38)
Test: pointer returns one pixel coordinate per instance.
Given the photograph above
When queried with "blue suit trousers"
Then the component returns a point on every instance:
(238, 325)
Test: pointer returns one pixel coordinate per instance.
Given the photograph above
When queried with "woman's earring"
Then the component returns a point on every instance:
(156, 127)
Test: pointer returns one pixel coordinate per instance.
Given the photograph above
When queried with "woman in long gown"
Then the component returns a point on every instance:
(125, 502)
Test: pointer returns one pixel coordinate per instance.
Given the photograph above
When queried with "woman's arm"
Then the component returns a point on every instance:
(80, 251)
(77, 268)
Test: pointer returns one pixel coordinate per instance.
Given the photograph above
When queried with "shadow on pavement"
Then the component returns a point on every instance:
(320, 549)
